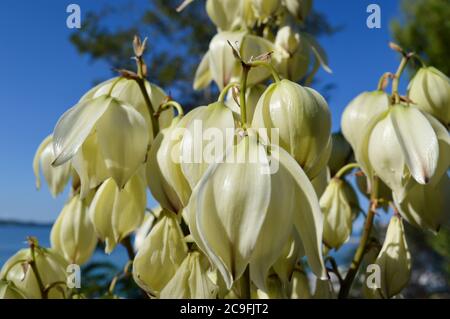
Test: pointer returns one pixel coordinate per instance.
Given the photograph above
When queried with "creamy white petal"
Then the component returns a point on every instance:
(75, 125)
(387, 158)
(203, 74)
(100, 213)
(123, 140)
(129, 207)
(231, 202)
(198, 149)
(56, 177)
(417, 141)
(274, 235)
(308, 218)
(90, 166)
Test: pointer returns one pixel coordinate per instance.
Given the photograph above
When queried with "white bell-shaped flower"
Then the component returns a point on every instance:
(56, 177)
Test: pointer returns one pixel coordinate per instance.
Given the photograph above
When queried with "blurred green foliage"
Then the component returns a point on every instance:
(425, 29)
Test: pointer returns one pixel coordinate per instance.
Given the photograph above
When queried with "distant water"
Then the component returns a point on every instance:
(13, 238)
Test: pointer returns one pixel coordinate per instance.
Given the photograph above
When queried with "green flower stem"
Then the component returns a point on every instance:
(243, 87)
(167, 105)
(381, 86)
(33, 242)
(268, 66)
(345, 168)
(361, 250)
(418, 58)
(398, 74)
(140, 67)
(155, 125)
(225, 90)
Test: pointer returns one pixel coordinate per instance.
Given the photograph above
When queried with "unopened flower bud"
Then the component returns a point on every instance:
(164, 175)
(209, 133)
(394, 261)
(359, 112)
(303, 120)
(430, 91)
(223, 65)
(337, 214)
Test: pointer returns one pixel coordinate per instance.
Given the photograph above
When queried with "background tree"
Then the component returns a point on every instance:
(425, 29)
(177, 40)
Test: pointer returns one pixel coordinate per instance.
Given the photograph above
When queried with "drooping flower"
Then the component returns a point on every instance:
(208, 133)
(303, 120)
(225, 14)
(164, 175)
(88, 132)
(239, 212)
(394, 261)
(121, 131)
(50, 266)
(430, 91)
(223, 67)
(402, 143)
(115, 212)
(426, 206)
(357, 116)
(337, 212)
(161, 254)
(73, 234)
(56, 177)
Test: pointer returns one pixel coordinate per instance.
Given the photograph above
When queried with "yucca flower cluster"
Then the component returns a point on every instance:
(253, 189)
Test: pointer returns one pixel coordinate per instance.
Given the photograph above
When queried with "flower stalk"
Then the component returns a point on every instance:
(33, 243)
(361, 250)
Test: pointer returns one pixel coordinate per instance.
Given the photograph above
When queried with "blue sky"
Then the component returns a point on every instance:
(43, 75)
